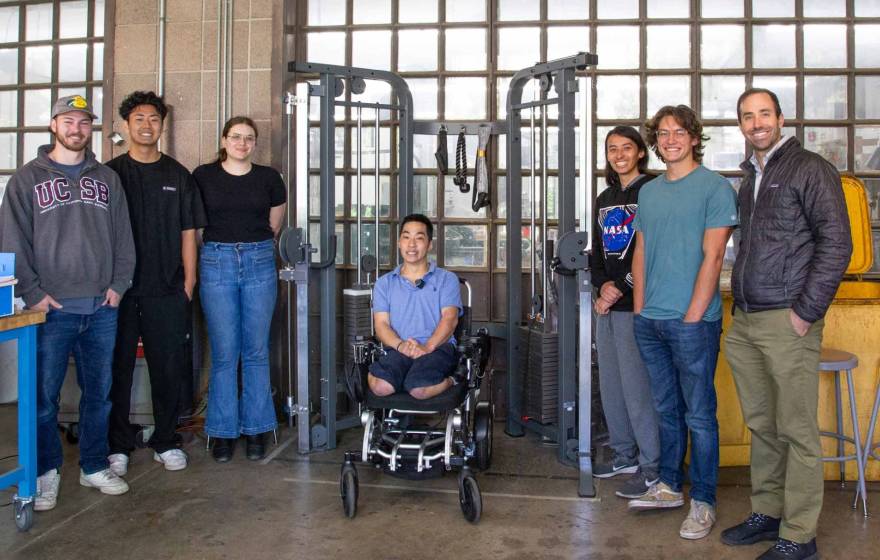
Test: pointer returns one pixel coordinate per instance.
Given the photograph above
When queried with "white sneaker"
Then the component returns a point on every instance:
(105, 481)
(173, 459)
(47, 490)
(699, 521)
(118, 463)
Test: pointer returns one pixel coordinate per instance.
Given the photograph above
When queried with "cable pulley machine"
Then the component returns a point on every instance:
(549, 357)
(317, 426)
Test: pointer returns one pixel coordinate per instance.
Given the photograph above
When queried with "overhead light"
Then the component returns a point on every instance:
(117, 139)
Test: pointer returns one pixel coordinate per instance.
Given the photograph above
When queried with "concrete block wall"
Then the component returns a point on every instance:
(191, 65)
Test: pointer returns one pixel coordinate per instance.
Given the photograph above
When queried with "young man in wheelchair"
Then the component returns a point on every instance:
(416, 308)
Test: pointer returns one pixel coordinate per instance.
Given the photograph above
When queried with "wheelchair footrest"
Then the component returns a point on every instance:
(410, 473)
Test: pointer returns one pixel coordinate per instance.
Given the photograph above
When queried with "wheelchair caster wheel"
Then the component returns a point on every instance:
(24, 515)
(348, 490)
(469, 498)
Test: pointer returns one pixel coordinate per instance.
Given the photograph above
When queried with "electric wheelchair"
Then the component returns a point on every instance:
(417, 439)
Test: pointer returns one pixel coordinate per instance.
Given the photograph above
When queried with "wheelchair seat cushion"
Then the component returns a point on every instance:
(447, 400)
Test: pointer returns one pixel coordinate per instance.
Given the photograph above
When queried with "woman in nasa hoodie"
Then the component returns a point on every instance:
(623, 379)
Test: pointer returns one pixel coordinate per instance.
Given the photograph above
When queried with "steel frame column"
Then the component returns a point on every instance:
(328, 275)
(566, 88)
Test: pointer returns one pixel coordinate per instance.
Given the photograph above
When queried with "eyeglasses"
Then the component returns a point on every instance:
(678, 133)
(241, 138)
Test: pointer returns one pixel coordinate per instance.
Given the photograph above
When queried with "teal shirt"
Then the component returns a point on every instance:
(672, 218)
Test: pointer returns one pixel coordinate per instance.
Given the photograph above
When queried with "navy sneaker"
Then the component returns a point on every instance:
(758, 527)
(785, 549)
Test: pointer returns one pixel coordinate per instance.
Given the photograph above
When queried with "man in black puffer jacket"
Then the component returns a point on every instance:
(794, 247)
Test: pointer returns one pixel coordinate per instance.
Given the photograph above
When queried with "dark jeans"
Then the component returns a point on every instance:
(162, 323)
(681, 359)
(406, 374)
(91, 339)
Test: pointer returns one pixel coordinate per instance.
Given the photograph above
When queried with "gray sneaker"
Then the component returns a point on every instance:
(607, 470)
(636, 485)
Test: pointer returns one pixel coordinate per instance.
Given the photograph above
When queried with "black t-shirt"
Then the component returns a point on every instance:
(163, 201)
(238, 205)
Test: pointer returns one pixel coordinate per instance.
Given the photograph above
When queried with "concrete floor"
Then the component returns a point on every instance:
(289, 507)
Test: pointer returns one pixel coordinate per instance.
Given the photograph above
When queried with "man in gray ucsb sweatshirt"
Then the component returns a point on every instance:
(65, 217)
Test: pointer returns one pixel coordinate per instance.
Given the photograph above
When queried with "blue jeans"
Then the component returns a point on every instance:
(91, 339)
(238, 287)
(681, 358)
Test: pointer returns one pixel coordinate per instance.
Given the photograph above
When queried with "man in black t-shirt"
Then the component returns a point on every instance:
(165, 210)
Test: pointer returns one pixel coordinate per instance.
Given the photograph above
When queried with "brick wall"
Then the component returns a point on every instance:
(191, 65)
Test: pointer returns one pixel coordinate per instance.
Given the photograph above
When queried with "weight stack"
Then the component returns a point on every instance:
(355, 320)
(539, 357)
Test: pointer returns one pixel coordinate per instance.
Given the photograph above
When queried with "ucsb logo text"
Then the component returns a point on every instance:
(55, 191)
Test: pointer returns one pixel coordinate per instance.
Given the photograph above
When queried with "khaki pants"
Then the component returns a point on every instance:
(777, 379)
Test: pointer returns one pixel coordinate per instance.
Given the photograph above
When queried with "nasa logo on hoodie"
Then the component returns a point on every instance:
(617, 228)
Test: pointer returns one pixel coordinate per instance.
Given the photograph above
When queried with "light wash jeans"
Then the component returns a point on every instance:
(238, 287)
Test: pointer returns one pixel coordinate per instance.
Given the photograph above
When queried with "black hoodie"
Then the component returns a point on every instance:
(613, 240)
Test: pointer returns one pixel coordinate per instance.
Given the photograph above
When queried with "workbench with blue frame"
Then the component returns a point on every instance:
(22, 327)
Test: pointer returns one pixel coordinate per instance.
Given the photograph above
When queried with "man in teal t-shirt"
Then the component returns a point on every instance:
(685, 218)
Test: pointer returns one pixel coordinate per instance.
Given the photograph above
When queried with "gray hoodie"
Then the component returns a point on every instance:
(71, 235)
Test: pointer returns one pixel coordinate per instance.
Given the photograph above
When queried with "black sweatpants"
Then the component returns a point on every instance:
(163, 324)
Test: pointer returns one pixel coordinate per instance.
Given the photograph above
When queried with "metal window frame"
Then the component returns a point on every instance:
(694, 21)
(53, 84)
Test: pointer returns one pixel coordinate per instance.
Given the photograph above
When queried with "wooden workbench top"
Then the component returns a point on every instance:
(23, 318)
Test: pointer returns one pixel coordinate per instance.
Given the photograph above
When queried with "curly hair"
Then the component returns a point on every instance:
(687, 119)
(137, 98)
(628, 132)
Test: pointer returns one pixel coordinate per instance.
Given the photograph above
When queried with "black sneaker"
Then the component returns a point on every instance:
(758, 527)
(785, 549)
(223, 449)
(636, 485)
(606, 470)
(256, 448)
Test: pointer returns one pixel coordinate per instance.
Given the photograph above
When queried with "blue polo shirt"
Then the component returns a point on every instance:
(415, 312)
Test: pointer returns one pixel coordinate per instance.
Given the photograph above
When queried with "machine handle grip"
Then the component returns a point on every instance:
(330, 259)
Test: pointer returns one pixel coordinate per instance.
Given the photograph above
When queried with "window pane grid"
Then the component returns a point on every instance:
(764, 43)
(47, 50)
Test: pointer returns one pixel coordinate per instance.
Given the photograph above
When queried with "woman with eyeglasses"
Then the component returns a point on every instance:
(244, 203)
